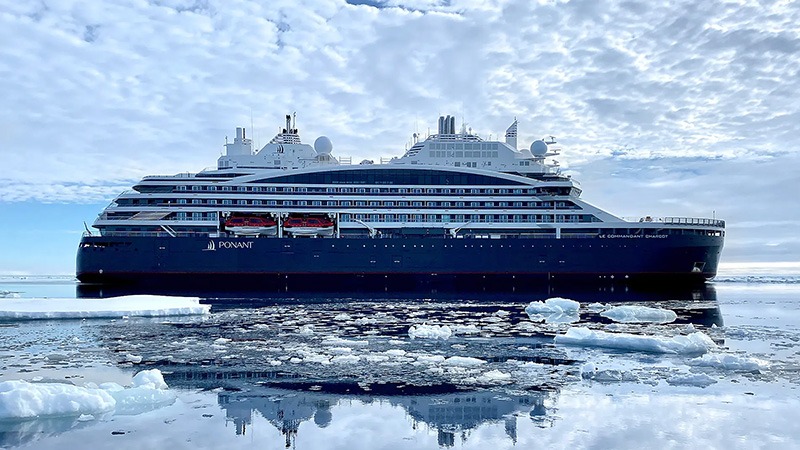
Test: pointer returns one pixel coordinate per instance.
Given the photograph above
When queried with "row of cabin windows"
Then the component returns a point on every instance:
(348, 203)
(459, 154)
(550, 190)
(464, 146)
(475, 218)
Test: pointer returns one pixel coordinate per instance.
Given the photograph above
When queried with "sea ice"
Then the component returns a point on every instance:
(494, 377)
(117, 307)
(463, 361)
(8, 294)
(553, 305)
(729, 362)
(426, 331)
(691, 344)
(637, 314)
(23, 400)
(692, 379)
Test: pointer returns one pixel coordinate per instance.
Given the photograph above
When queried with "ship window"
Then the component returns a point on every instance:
(226, 202)
(302, 203)
(212, 202)
(316, 203)
(181, 201)
(181, 188)
(272, 202)
(256, 202)
(374, 203)
(286, 203)
(331, 203)
(196, 201)
(432, 153)
(241, 202)
(345, 202)
(242, 188)
(494, 154)
(361, 203)
(416, 203)
(459, 154)
(459, 146)
(402, 203)
(389, 204)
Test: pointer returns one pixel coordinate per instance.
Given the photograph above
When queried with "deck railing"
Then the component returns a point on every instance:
(679, 221)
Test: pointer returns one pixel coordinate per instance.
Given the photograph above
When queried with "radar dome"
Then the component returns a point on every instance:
(323, 145)
(538, 148)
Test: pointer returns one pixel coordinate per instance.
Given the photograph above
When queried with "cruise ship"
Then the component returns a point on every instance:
(454, 210)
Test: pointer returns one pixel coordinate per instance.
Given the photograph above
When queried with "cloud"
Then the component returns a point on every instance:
(99, 94)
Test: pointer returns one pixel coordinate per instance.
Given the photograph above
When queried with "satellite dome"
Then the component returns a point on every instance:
(538, 148)
(323, 145)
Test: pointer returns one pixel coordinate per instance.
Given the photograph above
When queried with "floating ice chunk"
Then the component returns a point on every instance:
(342, 317)
(221, 341)
(494, 377)
(692, 379)
(694, 343)
(596, 307)
(465, 329)
(365, 321)
(430, 359)
(425, 331)
(152, 379)
(553, 305)
(8, 294)
(22, 400)
(346, 359)
(637, 314)
(463, 361)
(136, 359)
(117, 307)
(306, 330)
(395, 352)
(590, 372)
(554, 310)
(729, 362)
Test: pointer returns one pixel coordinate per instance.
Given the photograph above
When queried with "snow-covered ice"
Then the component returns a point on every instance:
(729, 362)
(555, 305)
(691, 379)
(463, 361)
(23, 400)
(639, 314)
(691, 344)
(117, 307)
(425, 331)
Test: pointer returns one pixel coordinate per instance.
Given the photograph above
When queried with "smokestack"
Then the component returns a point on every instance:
(239, 133)
(453, 125)
(441, 124)
(244, 133)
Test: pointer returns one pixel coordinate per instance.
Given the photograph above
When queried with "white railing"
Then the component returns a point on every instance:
(678, 221)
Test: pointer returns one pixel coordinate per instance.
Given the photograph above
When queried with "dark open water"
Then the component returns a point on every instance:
(316, 371)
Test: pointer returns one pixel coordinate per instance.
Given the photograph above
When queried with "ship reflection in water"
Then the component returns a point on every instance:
(452, 415)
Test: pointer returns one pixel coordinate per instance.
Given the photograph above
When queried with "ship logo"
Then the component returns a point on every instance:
(211, 247)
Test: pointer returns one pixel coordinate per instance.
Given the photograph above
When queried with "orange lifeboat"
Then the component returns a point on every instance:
(311, 226)
(251, 226)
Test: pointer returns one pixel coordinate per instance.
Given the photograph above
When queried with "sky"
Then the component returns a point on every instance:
(662, 108)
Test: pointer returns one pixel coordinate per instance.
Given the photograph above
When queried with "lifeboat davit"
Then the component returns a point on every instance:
(251, 226)
(312, 226)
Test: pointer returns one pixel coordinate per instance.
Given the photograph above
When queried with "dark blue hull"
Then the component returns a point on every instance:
(410, 263)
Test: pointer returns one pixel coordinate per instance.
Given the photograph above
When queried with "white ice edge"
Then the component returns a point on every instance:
(117, 307)
(639, 314)
(694, 343)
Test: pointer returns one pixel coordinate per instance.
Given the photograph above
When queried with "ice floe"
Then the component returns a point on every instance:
(639, 314)
(23, 400)
(8, 294)
(554, 310)
(553, 305)
(117, 307)
(691, 379)
(463, 361)
(729, 362)
(425, 331)
(691, 344)
(494, 377)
